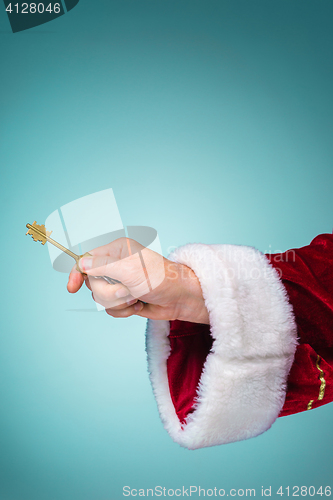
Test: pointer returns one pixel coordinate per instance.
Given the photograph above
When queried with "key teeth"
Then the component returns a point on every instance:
(35, 236)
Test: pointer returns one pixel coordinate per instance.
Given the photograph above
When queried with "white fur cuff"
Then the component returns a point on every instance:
(243, 383)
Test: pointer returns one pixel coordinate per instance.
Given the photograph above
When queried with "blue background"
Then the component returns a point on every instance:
(212, 122)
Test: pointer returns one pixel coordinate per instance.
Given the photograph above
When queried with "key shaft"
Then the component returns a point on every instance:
(45, 237)
(55, 243)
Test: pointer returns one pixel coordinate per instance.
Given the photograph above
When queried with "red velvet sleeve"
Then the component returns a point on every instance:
(307, 274)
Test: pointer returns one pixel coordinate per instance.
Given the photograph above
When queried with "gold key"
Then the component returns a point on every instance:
(39, 233)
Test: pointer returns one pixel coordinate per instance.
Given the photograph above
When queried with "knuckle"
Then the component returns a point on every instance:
(104, 293)
(111, 312)
(98, 300)
(140, 289)
(103, 265)
(119, 313)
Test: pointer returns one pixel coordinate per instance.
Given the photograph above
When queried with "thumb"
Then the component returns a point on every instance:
(99, 265)
(129, 271)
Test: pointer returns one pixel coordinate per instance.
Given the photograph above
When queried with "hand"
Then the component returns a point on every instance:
(170, 290)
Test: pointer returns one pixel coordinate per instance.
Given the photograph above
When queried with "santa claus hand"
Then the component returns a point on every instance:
(151, 286)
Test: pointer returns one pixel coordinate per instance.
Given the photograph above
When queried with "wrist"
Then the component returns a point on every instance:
(191, 301)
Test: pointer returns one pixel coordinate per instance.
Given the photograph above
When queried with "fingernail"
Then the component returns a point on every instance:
(122, 292)
(85, 264)
(138, 306)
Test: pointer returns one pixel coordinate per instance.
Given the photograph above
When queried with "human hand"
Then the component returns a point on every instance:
(151, 286)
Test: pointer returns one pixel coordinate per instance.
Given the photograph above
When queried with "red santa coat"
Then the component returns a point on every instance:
(268, 350)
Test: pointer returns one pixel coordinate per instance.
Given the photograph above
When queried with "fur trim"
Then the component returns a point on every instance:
(243, 383)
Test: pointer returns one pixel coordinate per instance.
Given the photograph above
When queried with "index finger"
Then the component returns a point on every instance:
(118, 249)
(113, 249)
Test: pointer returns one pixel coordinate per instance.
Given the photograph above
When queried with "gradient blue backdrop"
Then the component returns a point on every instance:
(212, 122)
